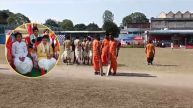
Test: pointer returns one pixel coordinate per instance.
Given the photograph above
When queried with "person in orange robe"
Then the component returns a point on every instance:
(105, 50)
(113, 54)
(150, 52)
(96, 54)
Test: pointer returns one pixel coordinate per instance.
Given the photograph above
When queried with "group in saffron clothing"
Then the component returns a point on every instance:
(34, 54)
(92, 51)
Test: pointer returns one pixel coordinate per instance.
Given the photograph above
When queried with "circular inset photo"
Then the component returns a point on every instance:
(32, 49)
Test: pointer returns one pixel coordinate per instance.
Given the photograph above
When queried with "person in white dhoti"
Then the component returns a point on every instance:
(89, 50)
(68, 54)
(22, 63)
(45, 54)
(85, 47)
(78, 54)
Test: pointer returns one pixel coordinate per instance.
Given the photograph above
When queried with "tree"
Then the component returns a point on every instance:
(4, 15)
(136, 17)
(51, 23)
(92, 27)
(79, 27)
(111, 27)
(66, 24)
(17, 19)
(108, 16)
(11, 20)
(22, 18)
(7, 17)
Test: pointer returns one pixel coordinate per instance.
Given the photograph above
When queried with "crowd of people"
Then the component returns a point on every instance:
(92, 51)
(35, 52)
(40, 51)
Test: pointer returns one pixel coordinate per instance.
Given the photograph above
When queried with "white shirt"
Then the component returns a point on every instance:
(77, 44)
(19, 49)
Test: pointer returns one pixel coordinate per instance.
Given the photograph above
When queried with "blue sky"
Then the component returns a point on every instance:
(87, 11)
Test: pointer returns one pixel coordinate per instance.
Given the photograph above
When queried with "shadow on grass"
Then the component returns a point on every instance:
(4, 68)
(165, 65)
(121, 65)
(134, 75)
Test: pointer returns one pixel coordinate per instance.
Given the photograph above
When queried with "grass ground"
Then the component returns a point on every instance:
(166, 60)
(167, 84)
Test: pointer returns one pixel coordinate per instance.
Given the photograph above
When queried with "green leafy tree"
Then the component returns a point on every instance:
(79, 27)
(17, 19)
(52, 24)
(112, 28)
(92, 27)
(136, 17)
(7, 17)
(108, 16)
(4, 15)
(66, 24)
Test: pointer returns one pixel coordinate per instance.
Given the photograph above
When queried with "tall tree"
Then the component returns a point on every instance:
(112, 28)
(92, 27)
(66, 24)
(108, 16)
(136, 17)
(52, 24)
(79, 27)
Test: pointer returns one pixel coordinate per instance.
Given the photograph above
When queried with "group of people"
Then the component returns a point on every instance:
(36, 53)
(94, 51)
(39, 51)
(77, 51)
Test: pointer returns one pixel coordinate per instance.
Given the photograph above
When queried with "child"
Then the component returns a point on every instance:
(22, 63)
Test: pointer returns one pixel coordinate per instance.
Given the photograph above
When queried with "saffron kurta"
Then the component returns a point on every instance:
(96, 55)
(150, 52)
(113, 55)
(105, 51)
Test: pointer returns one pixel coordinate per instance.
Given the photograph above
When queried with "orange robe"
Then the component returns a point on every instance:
(105, 51)
(96, 55)
(113, 55)
(150, 50)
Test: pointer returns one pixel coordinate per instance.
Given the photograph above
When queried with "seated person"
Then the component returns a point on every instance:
(45, 54)
(22, 63)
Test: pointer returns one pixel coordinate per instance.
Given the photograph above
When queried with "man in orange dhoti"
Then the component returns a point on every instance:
(113, 55)
(150, 52)
(96, 55)
(105, 50)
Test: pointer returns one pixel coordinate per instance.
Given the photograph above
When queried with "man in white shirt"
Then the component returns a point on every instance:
(77, 44)
(22, 63)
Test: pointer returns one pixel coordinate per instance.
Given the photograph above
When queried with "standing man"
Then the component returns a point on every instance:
(113, 54)
(77, 44)
(150, 52)
(96, 54)
(89, 50)
(172, 45)
(67, 50)
(84, 51)
(105, 49)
